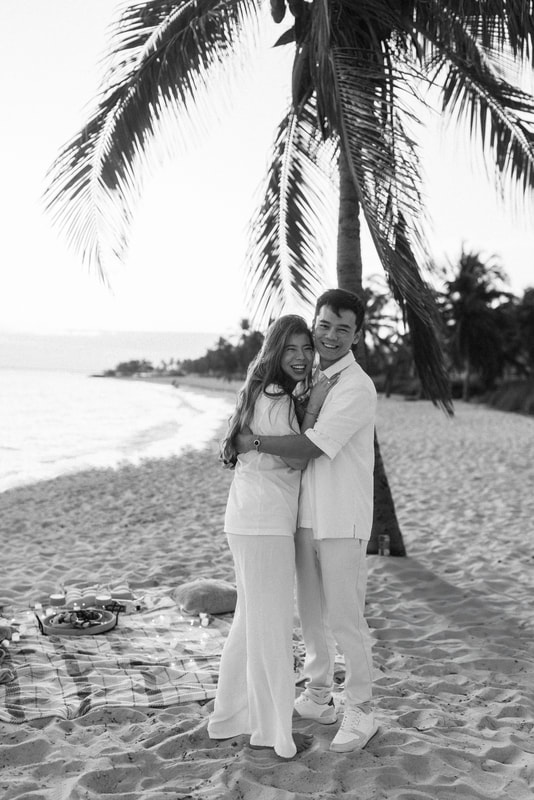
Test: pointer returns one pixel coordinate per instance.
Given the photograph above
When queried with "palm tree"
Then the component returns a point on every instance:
(383, 325)
(355, 64)
(358, 65)
(475, 320)
(525, 323)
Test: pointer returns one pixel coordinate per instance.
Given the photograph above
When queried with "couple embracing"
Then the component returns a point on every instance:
(301, 501)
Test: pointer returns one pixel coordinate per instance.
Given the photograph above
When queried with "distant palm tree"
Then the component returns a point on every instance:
(358, 64)
(525, 322)
(475, 319)
(383, 324)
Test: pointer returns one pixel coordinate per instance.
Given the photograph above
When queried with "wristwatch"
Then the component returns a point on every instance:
(257, 443)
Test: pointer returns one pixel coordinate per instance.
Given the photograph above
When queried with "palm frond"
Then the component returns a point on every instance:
(498, 24)
(502, 114)
(424, 324)
(163, 54)
(420, 311)
(382, 154)
(289, 231)
(385, 169)
(321, 67)
(469, 58)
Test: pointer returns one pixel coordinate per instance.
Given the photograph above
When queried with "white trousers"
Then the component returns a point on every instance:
(256, 688)
(331, 584)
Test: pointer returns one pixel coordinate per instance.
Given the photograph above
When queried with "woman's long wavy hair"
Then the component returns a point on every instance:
(264, 370)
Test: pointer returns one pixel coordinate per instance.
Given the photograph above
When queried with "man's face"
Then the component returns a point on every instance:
(334, 334)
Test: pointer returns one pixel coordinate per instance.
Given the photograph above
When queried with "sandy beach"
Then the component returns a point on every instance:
(452, 623)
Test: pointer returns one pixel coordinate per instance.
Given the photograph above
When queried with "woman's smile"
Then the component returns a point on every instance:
(297, 359)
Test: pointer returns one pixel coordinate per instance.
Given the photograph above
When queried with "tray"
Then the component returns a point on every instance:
(107, 621)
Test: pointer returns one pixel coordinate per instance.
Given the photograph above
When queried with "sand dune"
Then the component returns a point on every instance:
(452, 623)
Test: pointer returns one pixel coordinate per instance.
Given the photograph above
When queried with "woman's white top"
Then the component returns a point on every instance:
(264, 494)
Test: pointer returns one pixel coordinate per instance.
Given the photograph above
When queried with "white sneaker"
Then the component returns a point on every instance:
(355, 730)
(307, 708)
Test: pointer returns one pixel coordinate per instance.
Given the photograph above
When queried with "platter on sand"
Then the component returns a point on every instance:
(78, 622)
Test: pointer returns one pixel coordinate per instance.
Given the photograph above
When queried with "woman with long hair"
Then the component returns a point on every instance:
(256, 689)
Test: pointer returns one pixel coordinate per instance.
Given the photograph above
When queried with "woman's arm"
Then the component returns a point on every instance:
(311, 410)
(276, 416)
(292, 449)
(318, 395)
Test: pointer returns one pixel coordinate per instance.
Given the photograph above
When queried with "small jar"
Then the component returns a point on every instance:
(384, 548)
(102, 599)
(57, 599)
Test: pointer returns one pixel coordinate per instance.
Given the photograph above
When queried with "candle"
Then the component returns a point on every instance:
(102, 599)
(57, 599)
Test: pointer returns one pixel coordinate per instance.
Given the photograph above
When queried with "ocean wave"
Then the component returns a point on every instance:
(57, 423)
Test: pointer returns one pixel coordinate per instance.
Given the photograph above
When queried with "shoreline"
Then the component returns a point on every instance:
(511, 398)
(204, 383)
(200, 416)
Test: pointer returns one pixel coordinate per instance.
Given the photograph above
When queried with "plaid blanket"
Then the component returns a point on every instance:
(153, 658)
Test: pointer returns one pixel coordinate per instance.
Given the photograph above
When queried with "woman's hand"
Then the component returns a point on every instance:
(319, 393)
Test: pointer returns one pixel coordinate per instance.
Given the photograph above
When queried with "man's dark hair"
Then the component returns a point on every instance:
(341, 300)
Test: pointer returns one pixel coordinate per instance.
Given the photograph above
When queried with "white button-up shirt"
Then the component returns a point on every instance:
(337, 488)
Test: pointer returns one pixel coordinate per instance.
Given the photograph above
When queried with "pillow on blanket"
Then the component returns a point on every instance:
(209, 596)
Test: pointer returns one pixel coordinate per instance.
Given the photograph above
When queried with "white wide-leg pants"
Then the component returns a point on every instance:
(331, 584)
(256, 688)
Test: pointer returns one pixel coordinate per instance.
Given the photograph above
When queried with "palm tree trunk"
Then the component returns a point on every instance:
(349, 275)
(349, 251)
(466, 393)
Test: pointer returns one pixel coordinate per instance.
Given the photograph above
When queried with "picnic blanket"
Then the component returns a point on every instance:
(153, 658)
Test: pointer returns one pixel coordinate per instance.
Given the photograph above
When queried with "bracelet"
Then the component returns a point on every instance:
(311, 414)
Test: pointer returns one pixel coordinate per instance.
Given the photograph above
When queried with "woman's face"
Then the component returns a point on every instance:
(297, 358)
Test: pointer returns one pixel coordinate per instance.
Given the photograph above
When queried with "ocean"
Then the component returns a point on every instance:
(58, 418)
(96, 351)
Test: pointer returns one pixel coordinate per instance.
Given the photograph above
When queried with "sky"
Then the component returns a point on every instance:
(189, 232)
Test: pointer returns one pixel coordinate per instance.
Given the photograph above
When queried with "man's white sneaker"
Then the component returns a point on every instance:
(355, 730)
(307, 708)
